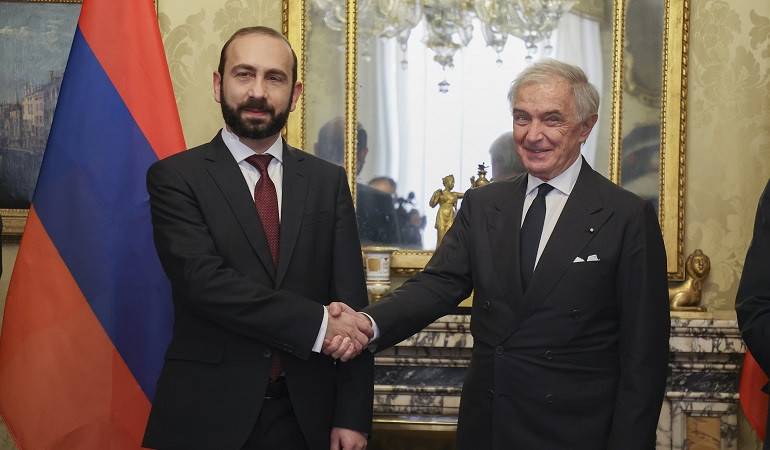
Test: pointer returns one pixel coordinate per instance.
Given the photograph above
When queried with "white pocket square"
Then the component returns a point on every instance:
(579, 260)
(592, 258)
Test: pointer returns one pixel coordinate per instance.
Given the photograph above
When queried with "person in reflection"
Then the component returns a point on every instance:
(384, 184)
(506, 163)
(752, 302)
(570, 314)
(256, 238)
(411, 222)
(640, 162)
(375, 211)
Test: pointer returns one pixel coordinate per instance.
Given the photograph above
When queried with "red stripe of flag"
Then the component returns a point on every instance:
(754, 402)
(125, 37)
(63, 383)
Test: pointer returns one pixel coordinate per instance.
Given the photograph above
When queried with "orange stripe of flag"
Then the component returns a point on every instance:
(61, 375)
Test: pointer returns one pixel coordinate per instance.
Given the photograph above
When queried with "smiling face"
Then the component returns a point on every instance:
(546, 127)
(256, 90)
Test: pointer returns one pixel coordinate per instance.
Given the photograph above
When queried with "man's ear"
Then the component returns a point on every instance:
(361, 156)
(586, 127)
(296, 92)
(217, 82)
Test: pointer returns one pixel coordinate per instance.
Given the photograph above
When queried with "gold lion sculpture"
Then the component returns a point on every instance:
(687, 296)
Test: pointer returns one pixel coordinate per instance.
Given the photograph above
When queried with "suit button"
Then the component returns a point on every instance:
(549, 399)
(499, 350)
(575, 313)
(486, 305)
(491, 393)
(267, 353)
(548, 355)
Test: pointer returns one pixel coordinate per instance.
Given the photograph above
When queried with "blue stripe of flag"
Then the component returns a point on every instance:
(92, 200)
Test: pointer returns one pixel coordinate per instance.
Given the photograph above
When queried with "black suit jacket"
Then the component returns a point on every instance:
(579, 361)
(232, 308)
(376, 215)
(753, 298)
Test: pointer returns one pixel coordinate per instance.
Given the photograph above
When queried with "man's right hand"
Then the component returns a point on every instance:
(347, 332)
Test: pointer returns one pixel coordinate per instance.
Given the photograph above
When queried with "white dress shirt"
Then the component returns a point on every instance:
(554, 200)
(240, 152)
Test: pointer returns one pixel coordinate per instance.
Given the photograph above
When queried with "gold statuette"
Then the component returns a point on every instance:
(446, 200)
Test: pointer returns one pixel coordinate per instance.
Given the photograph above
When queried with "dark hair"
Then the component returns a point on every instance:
(385, 179)
(259, 30)
(331, 140)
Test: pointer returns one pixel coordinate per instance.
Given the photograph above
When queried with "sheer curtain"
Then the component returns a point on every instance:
(417, 135)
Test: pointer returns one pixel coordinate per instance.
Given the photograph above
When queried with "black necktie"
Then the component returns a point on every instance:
(529, 237)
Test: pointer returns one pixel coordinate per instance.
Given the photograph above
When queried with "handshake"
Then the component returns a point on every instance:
(348, 332)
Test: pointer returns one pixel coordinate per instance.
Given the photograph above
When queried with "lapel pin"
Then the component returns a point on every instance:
(591, 230)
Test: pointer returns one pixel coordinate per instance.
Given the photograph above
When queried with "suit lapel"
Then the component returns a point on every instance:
(503, 224)
(580, 220)
(228, 177)
(295, 185)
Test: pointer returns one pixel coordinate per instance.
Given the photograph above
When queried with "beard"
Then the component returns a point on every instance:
(254, 128)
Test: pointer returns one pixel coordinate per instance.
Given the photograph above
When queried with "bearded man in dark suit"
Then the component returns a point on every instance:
(256, 238)
(570, 314)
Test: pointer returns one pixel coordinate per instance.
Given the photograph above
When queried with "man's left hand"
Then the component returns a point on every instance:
(345, 439)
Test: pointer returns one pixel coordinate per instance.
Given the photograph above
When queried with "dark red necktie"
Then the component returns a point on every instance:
(266, 201)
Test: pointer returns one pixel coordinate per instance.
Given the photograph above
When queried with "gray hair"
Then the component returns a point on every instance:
(586, 95)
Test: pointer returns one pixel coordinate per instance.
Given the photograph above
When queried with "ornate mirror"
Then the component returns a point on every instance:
(415, 90)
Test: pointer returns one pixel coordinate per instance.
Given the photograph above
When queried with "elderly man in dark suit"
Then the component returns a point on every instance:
(570, 314)
(256, 238)
(753, 299)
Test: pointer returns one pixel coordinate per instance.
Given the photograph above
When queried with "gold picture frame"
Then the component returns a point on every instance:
(673, 98)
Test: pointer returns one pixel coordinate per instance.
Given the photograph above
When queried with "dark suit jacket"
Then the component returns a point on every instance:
(233, 308)
(579, 361)
(753, 299)
(376, 216)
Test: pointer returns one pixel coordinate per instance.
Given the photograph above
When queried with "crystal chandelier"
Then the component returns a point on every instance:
(449, 23)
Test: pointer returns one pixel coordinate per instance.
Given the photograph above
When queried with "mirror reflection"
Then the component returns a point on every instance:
(324, 77)
(433, 82)
(640, 155)
(432, 77)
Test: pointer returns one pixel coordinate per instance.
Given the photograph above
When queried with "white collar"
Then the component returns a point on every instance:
(564, 182)
(241, 151)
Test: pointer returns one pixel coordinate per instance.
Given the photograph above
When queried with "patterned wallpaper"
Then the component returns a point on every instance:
(728, 135)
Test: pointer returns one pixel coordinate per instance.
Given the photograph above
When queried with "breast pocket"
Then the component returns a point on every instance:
(593, 268)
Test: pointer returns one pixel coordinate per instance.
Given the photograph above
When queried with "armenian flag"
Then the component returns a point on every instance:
(89, 313)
